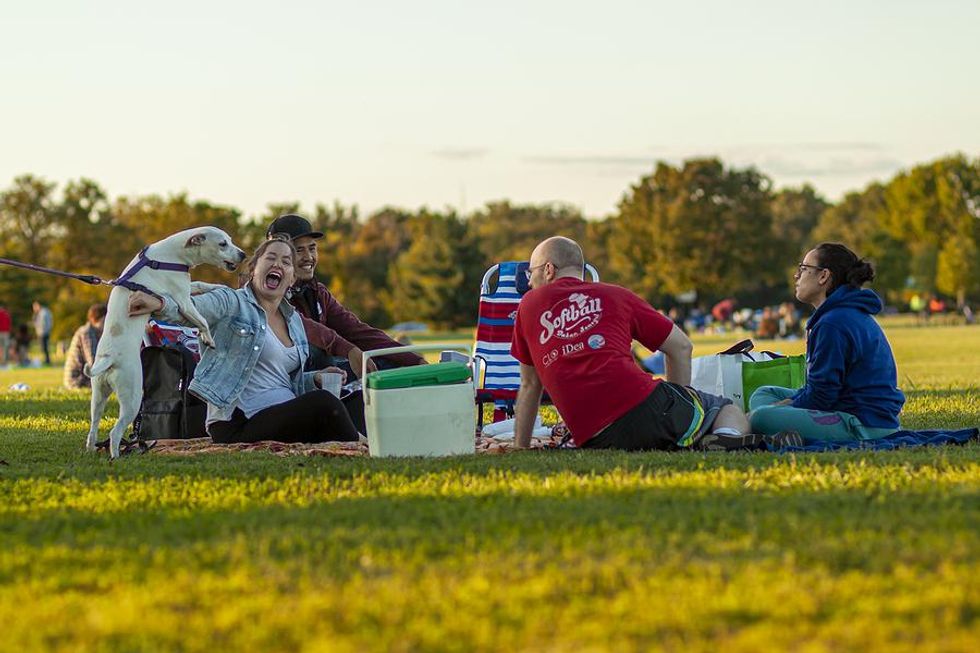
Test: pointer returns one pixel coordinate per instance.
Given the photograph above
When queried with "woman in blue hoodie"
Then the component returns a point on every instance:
(851, 390)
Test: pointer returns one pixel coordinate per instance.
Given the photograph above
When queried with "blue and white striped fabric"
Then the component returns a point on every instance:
(495, 326)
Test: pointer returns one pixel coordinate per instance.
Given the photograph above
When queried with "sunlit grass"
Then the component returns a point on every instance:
(544, 551)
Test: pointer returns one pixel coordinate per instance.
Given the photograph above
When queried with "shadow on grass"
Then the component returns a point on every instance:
(59, 405)
(969, 394)
(833, 528)
(46, 459)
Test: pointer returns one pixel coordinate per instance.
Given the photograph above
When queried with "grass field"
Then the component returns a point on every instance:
(549, 551)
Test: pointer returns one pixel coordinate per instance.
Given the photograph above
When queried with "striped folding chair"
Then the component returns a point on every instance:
(499, 376)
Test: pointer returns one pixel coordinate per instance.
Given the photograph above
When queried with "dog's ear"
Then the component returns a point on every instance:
(196, 240)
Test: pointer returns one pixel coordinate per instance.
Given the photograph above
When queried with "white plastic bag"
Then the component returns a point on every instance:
(504, 430)
(721, 374)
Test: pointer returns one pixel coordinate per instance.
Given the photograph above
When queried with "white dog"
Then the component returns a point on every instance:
(162, 269)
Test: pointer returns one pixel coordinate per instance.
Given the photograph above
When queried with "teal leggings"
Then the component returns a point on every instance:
(811, 424)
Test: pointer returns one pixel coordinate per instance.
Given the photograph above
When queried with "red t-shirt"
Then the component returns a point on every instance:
(578, 335)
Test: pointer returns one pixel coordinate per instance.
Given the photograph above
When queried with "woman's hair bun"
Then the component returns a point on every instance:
(860, 273)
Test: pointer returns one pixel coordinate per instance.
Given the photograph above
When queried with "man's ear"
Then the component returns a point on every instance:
(196, 240)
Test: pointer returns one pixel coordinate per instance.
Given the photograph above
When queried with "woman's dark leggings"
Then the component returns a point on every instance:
(316, 416)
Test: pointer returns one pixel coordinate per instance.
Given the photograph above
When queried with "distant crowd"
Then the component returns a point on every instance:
(777, 321)
(786, 321)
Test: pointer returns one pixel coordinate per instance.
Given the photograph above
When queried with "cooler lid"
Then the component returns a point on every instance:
(418, 375)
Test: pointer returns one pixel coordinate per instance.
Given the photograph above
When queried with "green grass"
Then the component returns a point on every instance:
(556, 551)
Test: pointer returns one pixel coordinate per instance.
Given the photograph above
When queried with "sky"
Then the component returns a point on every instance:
(451, 104)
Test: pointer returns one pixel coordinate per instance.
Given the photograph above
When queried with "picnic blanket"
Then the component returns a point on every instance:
(486, 445)
(196, 446)
(897, 440)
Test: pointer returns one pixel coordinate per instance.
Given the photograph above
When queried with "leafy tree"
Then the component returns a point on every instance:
(957, 269)
(86, 225)
(360, 270)
(505, 232)
(795, 213)
(701, 226)
(28, 223)
(340, 226)
(28, 229)
(595, 246)
(927, 207)
(858, 222)
(424, 280)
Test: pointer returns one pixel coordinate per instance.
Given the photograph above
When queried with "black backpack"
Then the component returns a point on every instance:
(168, 410)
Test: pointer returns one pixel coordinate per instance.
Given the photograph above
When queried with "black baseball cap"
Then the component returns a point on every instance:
(294, 226)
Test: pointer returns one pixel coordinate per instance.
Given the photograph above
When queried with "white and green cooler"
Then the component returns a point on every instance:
(422, 410)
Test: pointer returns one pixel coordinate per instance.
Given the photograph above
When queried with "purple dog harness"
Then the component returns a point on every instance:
(146, 262)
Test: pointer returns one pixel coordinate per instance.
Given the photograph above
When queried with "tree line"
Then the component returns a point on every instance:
(697, 231)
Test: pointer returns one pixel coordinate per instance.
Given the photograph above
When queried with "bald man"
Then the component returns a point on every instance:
(573, 339)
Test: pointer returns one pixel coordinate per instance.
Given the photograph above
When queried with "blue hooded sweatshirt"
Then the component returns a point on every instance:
(850, 366)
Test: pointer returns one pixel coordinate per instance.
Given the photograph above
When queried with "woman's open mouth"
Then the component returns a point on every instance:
(273, 279)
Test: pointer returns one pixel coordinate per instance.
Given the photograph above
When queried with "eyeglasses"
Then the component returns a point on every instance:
(801, 268)
(531, 269)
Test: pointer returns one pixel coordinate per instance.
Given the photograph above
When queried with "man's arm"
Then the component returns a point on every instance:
(331, 342)
(360, 334)
(677, 350)
(325, 338)
(528, 402)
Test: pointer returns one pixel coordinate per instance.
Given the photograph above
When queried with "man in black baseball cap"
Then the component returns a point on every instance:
(330, 326)
(294, 226)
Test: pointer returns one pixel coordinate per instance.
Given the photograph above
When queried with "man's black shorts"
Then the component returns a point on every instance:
(670, 418)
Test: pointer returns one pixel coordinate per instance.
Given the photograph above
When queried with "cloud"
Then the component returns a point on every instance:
(826, 147)
(460, 153)
(837, 147)
(591, 159)
(832, 167)
(853, 160)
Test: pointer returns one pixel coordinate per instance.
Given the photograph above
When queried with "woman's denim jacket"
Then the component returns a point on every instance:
(238, 325)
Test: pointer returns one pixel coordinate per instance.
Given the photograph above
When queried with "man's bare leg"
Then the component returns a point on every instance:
(734, 434)
(731, 417)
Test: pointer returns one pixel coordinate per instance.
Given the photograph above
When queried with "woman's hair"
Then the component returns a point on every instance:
(246, 274)
(845, 266)
(96, 312)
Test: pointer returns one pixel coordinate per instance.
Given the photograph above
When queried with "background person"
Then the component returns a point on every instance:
(81, 351)
(22, 344)
(573, 339)
(789, 321)
(724, 311)
(851, 390)
(253, 379)
(768, 327)
(6, 325)
(43, 323)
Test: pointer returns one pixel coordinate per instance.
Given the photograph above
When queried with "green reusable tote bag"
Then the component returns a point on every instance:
(786, 372)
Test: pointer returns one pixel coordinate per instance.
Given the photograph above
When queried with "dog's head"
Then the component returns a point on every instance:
(213, 246)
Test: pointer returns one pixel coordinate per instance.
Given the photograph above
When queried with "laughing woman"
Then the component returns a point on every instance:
(253, 378)
(851, 390)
